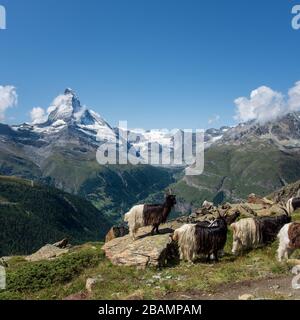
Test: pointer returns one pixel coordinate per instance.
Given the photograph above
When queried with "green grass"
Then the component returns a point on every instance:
(67, 275)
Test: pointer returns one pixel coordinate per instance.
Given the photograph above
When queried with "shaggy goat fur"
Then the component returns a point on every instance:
(210, 240)
(202, 238)
(185, 236)
(292, 205)
(252, 232)
(289, 240)
(149, 214)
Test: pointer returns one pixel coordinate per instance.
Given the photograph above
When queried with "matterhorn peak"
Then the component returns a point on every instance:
(65, 106)
(70, 91)
(66, 111)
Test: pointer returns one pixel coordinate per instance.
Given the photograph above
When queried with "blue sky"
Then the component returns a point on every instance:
(155, 63)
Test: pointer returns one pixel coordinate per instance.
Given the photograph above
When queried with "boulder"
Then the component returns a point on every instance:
(255, 199)
(62, 244)
(116, 232)
(146, 250)
(91, 282)
(48, 252)
(246, 296)
(4, 261)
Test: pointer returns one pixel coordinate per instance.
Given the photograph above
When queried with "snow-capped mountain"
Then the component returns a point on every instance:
(67, 111)
(61, 150)
(283, 132)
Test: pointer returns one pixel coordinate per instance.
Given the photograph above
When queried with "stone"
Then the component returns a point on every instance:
(116, 232)
(136, 295)
(146, 250)
(4, 261)
(275, 287)
(90, 283)
(246, 296)
(62, 244)
(48, 252)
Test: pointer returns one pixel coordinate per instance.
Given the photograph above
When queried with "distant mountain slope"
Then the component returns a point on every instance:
(248, 158)
(31, 216)
(61, 152)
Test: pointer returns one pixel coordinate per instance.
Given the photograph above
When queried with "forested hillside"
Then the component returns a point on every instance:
(32, 215)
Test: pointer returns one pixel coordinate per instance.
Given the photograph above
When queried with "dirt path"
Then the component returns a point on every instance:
(272, 288)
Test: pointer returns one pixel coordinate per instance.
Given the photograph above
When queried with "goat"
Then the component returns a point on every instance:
(292, 205)
(202, 238)
(149, 215)
(229, 220)
(253, 232)
(289, 240)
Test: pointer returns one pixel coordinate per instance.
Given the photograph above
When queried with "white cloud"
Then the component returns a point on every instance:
(265, 104)
(38, 115)
(8, 98)
(294, 97)
(214, 119)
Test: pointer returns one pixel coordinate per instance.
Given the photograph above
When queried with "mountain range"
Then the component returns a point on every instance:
(250, 157)
(61, 151)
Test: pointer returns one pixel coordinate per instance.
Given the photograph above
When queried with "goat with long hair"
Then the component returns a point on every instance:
(149, 215)
(250, 233)
(203, 238)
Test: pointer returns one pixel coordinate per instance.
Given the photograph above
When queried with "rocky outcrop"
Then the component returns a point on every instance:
(48, 252)
(116, 232)
(285, 193)
(146, 251)
(62, 244)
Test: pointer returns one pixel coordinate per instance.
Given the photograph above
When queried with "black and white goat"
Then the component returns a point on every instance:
(203, 238)
(292, 205)
(289, 240)
(250, 233)
(149, 215)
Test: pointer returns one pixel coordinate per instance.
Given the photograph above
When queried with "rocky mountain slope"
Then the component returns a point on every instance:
(248, 158)
(61, 151)
(32, 215)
